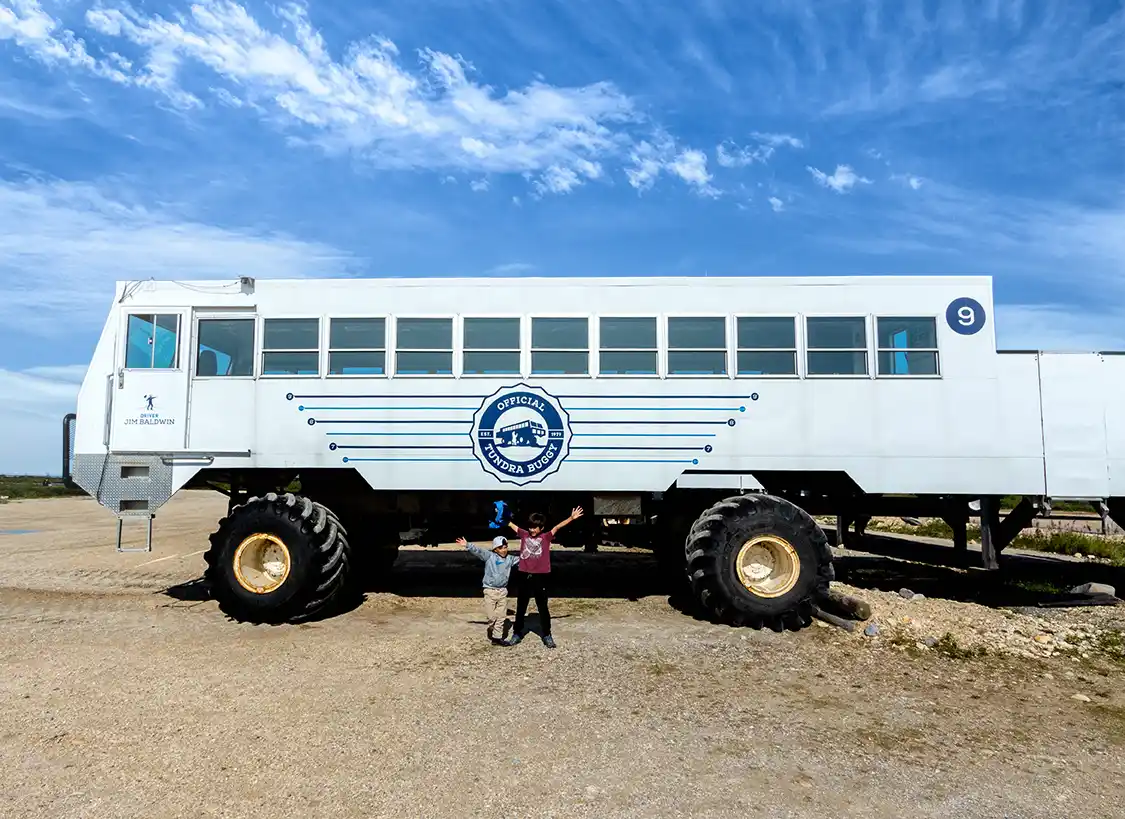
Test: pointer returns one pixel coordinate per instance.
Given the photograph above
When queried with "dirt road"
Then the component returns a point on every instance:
(124, 692)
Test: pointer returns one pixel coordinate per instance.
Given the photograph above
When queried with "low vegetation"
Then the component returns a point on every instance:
(1056, 542)
(24, 487)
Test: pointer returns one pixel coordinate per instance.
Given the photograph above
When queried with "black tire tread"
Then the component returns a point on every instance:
(701, 551)
(331, 559)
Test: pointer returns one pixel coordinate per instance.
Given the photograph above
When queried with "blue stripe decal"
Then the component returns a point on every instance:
(631, 422)
(314, 421)
(626, 461)
(473, 409)
(393, 409)
(473, 460)
(647, 448)
(397, 446)
(608, 396)
(661, 422)
(415, 460)
(356, 397)
(632, 434)
(657, 409)
(576, 435)
(397, 434)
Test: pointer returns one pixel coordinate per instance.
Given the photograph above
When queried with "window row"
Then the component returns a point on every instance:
(626, 346)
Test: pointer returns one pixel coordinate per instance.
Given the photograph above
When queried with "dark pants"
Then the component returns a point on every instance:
(530, 585)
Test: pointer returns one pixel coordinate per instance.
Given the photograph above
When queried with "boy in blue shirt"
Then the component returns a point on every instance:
(497, 567)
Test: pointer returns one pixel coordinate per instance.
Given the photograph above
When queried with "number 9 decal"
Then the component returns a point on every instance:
(965, 316)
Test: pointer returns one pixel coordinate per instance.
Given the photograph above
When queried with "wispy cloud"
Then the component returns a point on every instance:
(842, 180)
(66, 374)
(64, 244)
(1003, 234)
(561, 179)
(731, 155)
(777, 205)
(28, 25)
(32, 404)
(912, 182)
(434, 115)
(1059, 328)
(914, 58)
(650, 159)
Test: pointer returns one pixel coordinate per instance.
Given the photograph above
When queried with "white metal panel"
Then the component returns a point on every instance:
(742, 483)
(234, 430)
(149, 406)
(1113, 392)
(975, 429)
(91, 430)
(1074, 425)
(149, 412)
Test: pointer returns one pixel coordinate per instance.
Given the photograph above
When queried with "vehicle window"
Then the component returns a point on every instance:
(837, 345)
(491, 346)
(291, 347)
(226, 348)
(560, 346)
(907, 346)
(424, 346)
(357, 346)
(152, 341)
(767, 345)
(627, 346)
(697, 345)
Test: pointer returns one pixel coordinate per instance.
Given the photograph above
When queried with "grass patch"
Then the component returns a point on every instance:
(1111, 644)
(1039, 586)
(947, 646)
(659, 668)
(1055, 542)
(25, 487)
(1072, 543)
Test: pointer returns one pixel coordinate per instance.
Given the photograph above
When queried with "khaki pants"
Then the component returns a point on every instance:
(496, 611)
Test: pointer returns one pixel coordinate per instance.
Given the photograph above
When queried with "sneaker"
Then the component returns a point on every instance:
(549, 641)
(515, 638)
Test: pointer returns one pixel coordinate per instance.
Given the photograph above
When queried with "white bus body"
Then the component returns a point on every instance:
(628, 387)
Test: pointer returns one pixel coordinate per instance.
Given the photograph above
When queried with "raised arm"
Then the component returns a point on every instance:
(575, 513)
(513, 527)
(473, 548)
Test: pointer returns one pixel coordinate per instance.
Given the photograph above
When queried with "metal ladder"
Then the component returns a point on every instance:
(148, 534)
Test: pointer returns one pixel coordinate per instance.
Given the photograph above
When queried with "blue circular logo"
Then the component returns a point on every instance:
(521, 435)
(965, 316)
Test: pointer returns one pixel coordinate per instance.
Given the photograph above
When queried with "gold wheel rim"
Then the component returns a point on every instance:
(768, 566)
(261, 563)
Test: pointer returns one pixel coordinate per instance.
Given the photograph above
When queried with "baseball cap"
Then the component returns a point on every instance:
(499, 541)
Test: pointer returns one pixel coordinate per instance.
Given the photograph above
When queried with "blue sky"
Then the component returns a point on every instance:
(463, 137)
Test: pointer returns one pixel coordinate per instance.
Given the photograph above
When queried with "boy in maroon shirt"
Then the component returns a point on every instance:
(532, 572)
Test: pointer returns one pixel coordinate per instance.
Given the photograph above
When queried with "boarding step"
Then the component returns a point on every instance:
(121, 517)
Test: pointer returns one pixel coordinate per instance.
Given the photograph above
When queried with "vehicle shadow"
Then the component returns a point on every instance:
(886, 564)
(453, 574)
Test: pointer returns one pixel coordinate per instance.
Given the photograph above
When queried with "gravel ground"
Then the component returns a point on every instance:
(125, 692)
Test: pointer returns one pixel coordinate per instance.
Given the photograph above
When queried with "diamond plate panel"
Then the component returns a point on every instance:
(125, 484)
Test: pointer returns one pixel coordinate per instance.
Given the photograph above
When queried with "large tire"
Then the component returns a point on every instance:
(317, 565)
(719, 535)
